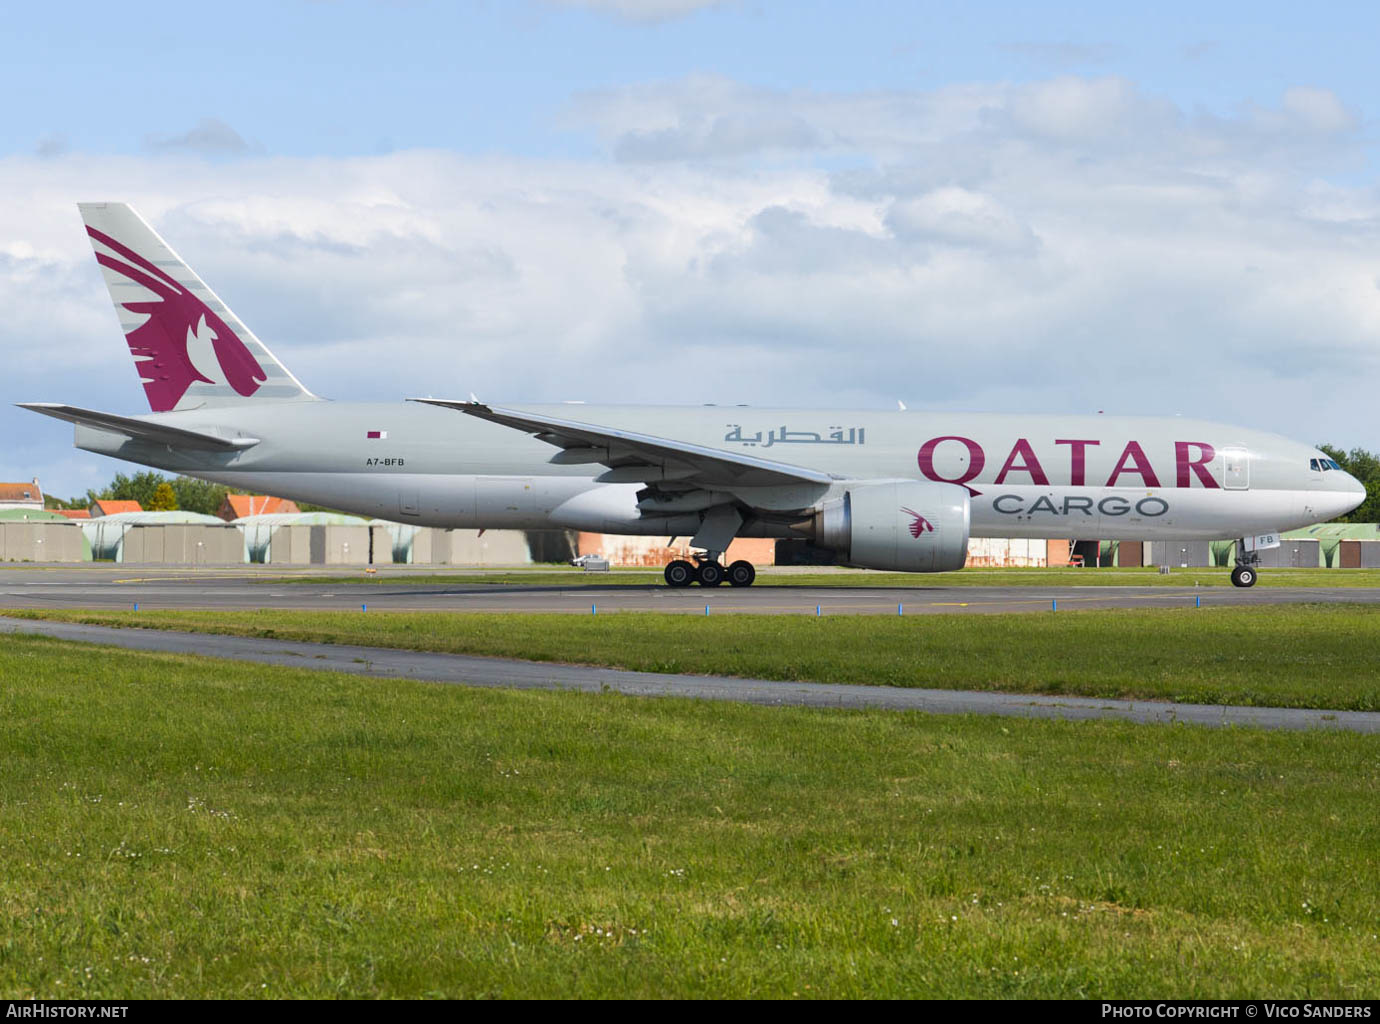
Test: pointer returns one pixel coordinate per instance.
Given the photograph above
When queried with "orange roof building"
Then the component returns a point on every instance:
(237, 506)
(111, 507)
(22, 496)
(73, 513)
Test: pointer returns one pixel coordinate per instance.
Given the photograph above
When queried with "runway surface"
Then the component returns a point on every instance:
(526, 675)
(250, 587)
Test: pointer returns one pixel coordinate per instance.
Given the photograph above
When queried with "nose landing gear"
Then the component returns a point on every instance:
(1245, 574)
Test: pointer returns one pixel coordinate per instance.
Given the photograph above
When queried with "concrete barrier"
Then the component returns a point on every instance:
(467, 547)
(339, 545)
(42, 542)
(380, 546)
(181, 544)
(300, 544)
(290, 545)
(1292, 554)
(422, 549)
(1181, 554)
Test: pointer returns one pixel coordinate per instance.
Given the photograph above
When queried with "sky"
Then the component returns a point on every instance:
(1009, 207)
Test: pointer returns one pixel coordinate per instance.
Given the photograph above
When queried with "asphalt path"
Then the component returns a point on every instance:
(246, 587)
(527, 675)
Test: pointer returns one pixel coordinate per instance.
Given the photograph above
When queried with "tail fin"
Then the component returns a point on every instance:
(189, 348)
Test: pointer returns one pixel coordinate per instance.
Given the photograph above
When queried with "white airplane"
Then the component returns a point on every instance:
(884, 490)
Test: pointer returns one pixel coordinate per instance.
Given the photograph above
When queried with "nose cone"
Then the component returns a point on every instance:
(1346, 494)
(1355, 490)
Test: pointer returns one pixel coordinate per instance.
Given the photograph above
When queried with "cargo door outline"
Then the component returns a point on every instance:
(409, 501)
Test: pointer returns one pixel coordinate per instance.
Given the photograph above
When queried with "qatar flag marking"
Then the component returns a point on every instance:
(377, 435)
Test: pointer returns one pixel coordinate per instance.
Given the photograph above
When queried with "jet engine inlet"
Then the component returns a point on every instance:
(898, 525)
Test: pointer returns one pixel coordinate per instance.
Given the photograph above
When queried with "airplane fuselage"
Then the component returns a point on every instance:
(1106, 477)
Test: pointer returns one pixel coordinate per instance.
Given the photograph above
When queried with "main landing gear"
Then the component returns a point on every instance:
(709, 573)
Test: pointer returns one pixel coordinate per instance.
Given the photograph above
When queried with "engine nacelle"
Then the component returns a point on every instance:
(901, 525)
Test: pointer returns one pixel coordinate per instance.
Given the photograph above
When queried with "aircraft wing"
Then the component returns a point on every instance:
(142, 429)
(636, 458)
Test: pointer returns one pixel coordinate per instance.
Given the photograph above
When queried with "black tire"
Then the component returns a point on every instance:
(741, 574)
(1243, 576)
(711, 574)
(680, 573)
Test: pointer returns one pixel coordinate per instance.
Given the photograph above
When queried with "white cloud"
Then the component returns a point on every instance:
(680, 119)
(710, 117)
(1067, 245)
(1318, 110)
(723, 135)
(957, 216)
(1091, 111)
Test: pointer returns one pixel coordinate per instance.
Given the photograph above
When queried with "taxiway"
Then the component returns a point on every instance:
(107, 586)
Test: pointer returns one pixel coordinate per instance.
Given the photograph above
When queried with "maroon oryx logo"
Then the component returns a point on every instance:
(175, 321)
(918, 523)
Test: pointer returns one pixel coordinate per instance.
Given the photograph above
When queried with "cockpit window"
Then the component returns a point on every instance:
(1332, 464)
(1314, 466)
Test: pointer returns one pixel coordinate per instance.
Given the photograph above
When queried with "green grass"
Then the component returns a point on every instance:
(1316, 656)
(182, 827)
(767, 577)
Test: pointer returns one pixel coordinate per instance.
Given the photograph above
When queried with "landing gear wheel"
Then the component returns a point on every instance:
(741, 574)
(680, 573)
(711, 574)
(1243, 576)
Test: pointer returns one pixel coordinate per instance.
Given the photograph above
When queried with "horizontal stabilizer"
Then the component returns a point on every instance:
(142, 429)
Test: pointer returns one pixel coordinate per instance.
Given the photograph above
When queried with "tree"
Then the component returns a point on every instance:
(139, 487)
(163, 500)
(52, 501)
(188, 494)
(1365, 467)
(199, 495)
